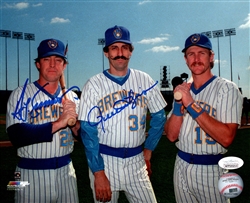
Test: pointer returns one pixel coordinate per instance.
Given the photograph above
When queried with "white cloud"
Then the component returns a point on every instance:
(19, 6)
(165, 35)
(144, 2)
(59, 20)
(153, 40)
(247, 24)
(37, 5)
(222, 62)
(163, 49)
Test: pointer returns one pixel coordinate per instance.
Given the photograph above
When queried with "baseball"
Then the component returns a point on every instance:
(230, 185)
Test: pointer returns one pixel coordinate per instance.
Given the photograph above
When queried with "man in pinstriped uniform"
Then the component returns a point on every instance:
(113, 111)
(205, 122)
(36, 123)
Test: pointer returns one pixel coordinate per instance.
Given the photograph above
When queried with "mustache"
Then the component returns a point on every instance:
(120, 57)
(197, 63)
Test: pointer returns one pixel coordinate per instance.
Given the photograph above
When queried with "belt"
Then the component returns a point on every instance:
(43, 164)
(200, 159)
(120, 152)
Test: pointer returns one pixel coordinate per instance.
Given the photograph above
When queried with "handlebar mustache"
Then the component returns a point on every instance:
(120, 57)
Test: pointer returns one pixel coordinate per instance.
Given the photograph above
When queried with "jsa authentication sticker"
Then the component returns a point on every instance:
(231, 162)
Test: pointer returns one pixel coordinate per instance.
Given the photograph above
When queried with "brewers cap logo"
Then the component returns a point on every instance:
(117, 33)
(195, 38)
(52, 44)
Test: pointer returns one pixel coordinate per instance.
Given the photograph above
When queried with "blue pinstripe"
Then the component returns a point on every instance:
(199, 183)
(42, 186)
(123, 175)
(128, 175)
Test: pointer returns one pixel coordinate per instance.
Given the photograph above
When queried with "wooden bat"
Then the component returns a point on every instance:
(178, 95)
(71, 121)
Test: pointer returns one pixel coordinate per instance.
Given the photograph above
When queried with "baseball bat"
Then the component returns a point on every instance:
(71, 121)
(178, 95)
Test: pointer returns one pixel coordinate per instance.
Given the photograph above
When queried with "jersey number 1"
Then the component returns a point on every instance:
(199, 133)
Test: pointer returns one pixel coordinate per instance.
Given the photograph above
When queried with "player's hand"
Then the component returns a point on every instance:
(184, 89)
(102, 187)
(75, 128)
(69, 111)
(148, 164)
(147, 156)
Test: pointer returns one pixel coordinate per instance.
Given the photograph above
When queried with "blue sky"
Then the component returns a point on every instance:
(158, 31)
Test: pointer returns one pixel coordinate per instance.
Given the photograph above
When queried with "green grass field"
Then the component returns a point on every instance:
(162, 166)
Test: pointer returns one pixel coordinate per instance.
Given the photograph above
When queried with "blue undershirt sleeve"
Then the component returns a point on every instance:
(91, 142)
(24, 134)
(157, 122)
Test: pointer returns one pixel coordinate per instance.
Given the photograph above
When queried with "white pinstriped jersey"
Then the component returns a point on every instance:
(123, 107)
(222, 100)
(20, 109)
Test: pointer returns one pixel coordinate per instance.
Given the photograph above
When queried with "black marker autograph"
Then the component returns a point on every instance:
(21, 111)
(131, 99)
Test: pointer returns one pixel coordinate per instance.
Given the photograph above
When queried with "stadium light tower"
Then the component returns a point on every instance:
(208, 34)
(217, 34)
(230, 32)
(101, 41)
(164, 78)
(29, 36)
(17, 35)
(6, 33)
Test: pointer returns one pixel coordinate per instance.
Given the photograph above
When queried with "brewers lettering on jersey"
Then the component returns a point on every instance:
(204, 123)
(36, 123)
(113, 111)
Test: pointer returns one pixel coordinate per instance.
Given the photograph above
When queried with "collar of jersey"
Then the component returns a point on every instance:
(119, 81)
(196, 91)
(47, 93)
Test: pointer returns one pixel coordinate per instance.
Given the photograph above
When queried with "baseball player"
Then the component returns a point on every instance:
(205, 122)
(112, 112)
(36, 123)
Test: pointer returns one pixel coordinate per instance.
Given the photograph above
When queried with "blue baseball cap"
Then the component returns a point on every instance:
(51, 47)
(117, 34)
(199, 40)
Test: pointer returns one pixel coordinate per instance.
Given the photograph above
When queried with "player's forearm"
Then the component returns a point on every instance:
(24, 134)
(56, 125)
(76, 129)
(172, 127)
(157, 122)
(147, 154)
(91, 143)
(223, 133)
(95, 161)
